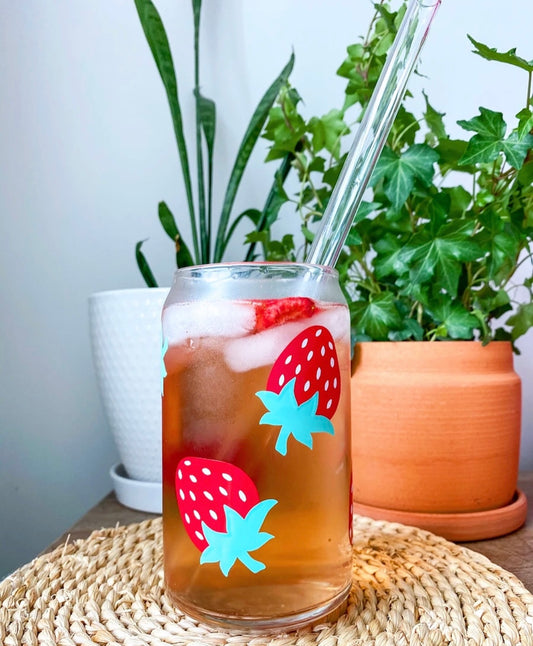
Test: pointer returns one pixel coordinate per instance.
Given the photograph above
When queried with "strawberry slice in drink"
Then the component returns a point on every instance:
(272, 312)
(221, 512)
(303, 388)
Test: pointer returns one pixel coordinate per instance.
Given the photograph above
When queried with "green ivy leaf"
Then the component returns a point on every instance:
(516, 149)
(404, 128)
(509, 57)
(400, 171)
(492, 303)
(376, 316)
(438, 254)
(486, 145)
(327, 131)
(450, 151)
(434, 120)
(488, 124)
(525, 122)
(525, 176)
(411, 329)
(522, 321)
(456, 322)
(364, 210)
(460, 200)
(391, 258)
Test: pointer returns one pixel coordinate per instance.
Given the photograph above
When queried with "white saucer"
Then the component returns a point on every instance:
(144, 496)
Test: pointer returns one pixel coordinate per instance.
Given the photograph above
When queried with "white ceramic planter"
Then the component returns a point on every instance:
(125, 330)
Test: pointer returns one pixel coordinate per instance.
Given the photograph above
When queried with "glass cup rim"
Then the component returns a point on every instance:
(281, 264)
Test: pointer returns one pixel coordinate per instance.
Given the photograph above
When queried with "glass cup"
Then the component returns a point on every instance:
(256, 444)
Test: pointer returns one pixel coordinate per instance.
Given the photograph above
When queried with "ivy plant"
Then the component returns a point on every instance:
(434, 249)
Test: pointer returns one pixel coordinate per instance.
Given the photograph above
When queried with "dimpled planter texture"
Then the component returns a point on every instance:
(126, 343)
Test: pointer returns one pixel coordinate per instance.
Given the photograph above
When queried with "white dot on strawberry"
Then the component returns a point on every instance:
(332, 362)
(307, 386)
(187, 519)
(206, 471)
(318, 332)
(180, 474)
(187, 463)
(193, 478)
(182, 494)
(335, 382)
(309, 355)
(213, 514)
(242, 495)
(326, 385)
(192, 496)
(196, 514)
(298, 369)
(330, 345)
(223, 491)
(323, 350)
(208, 495)
(199, 536)
(329, 404)
(281, 380)
(318, 373)
(304, 343)
(227, 477)
(288, 359)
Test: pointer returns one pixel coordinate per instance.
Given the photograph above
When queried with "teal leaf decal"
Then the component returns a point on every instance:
(164, 349)
(242, 535)
(298, 420)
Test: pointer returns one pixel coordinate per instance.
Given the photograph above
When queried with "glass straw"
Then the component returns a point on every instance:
(372, 133)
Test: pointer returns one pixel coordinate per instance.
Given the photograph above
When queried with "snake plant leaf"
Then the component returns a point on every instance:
(167, 221)
(276, 198)
(206, 114)
(248, 142)
(205, 242)
(252, 214)
(183, 255)
(143, 265)
(157, 39)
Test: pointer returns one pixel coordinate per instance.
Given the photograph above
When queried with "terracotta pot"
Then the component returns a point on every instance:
(435, 428)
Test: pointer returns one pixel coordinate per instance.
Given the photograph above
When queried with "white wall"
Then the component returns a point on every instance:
(86, 152)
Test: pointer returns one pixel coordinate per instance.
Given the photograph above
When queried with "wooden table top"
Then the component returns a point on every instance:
(513, 552)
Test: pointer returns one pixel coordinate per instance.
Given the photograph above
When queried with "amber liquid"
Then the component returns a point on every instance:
(212, 411)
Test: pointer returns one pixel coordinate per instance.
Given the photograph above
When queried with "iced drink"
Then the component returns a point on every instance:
(256, 454)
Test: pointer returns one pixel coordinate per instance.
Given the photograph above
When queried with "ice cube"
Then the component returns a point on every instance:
(257, 350)
(182, 321)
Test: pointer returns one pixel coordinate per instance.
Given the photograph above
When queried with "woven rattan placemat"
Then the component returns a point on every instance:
(409, 587)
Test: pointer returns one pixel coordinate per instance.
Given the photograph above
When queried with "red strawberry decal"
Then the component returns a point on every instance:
(311, 358)
(221, 512)
(269, 313)
(303, 388)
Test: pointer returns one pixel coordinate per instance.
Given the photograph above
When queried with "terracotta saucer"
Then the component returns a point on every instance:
(474, 526)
